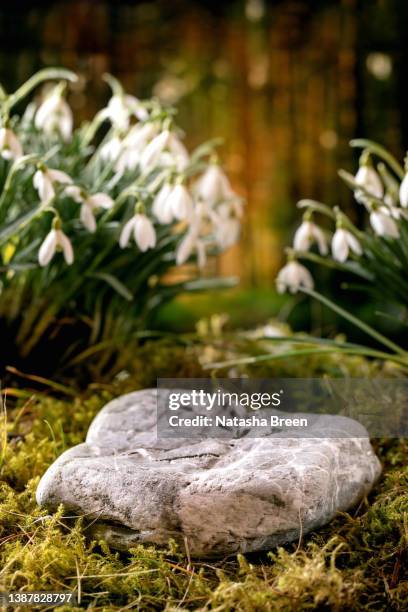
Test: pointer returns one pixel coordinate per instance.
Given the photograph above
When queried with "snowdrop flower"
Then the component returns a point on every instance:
(121, 107)
(45, 179)
(227, 232)
(153, 152)
(111, 149)
(143, 232)
(383, 224)
(55, 115)
(131, 147)
(390, 199)
(293, 276)
(179, 153)
(55, 241)
(89, 203)
(160, 208)
(179, 203)
(190, 243)
(227, 227)
(214, 186)
(307, 234)
(403, 192)
(10, 146)
(368, 178)
(395, 212)
(342, 243)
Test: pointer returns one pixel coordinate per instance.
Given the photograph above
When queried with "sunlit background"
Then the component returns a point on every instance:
(286, 84)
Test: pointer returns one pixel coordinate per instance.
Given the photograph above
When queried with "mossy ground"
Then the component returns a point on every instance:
(358, 562)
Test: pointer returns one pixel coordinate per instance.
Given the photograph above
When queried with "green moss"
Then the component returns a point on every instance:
(356, 562)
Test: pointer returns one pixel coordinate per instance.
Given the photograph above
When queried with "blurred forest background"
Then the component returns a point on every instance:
(286, 84)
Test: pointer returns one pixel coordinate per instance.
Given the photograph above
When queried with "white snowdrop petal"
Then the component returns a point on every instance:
(47, 108)
(368, 178)
(126, 232)
(293, 276)
(403, 192)
(74, 192)
(87, 218)
(48, 248)
(100, 200)
(111, 149)
(185, 249)
(340, 245)
(179, 151)
(383, 225)
(64, 242)
(160, 209)
(58, 176)
(181, 202)
(154, 149)
(354, 244)
(145, 235)
(214, 186)
(320, 238)
(303, 237)
(65, 125)
(13, 143)
(44, 186)
(201, 254)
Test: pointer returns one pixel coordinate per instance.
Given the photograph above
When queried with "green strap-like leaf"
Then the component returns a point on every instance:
(356, 321)
(115, 283)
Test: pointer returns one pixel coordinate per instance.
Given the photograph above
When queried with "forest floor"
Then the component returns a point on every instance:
(355, 563)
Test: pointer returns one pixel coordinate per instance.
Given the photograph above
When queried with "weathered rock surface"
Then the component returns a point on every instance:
(219, 495)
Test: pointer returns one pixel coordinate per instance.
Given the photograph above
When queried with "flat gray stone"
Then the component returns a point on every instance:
(216, 496)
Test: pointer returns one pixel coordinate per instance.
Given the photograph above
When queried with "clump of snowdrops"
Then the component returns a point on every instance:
(94, 217)
(376, 254)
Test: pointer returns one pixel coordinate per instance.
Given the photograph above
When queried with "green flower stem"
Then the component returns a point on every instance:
(48, 74)
(353, 268)
(114, 84)
(317, 207)
(92, 128)
(378, 150)
(16, 166)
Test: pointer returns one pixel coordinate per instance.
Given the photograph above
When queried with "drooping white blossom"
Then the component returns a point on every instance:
(227, 227)
(143, 232)
(343, 242)
(120, 109)
(403, 192)
(180, 203)
(191, 242)
(89, 203)
(383, 224)
(111, 149)
(292, 277)
(213, 186)
(163, 143)
(55, 115)
(128, 154)
(45, 179)
(160, 207)
(307, 234)
(54, 241)
(10, 146)
(369, 179)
